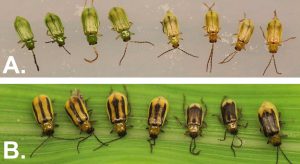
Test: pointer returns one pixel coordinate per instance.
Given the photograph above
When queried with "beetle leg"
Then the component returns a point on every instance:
(204, 124)
(162, 24)
(118, 37)
(99, 35)
(179, 122)
(111, 131)
(23, 45)
(263, 33)
(288, 39)
(224, 136)
(20, 41)
(219, 118)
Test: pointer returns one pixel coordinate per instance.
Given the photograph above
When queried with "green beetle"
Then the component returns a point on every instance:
(90, 23)
(121, 25)
(55, 30)
(24, 31)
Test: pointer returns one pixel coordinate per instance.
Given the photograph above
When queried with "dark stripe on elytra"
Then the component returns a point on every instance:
(49, 108)
(156, 111)
(70, 117)
(53, 20)
(123, 107)
(115, 103)
(150, 113)
(163, 113)
(81, 109)
(109, 111)
(75, 112)
(35, 113)
(42, 111)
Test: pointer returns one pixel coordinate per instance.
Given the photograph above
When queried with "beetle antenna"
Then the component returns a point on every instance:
(229, 57)
(142, 42)
(82, 140)
(209, 7)
(166, 52)
(232, 145)
(210, 59)
(241, 142)
(66, 50)
(268, 65)
(278, 147)
(106, 143)
(193, 144)
(151, 144)
(35, 62)
(102, 143)
(188, 53)
(275, 65)
(97, 55)
(120, 62)
(39, 146)
(70, 139)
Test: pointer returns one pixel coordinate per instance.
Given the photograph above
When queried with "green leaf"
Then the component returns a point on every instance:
(17, 123)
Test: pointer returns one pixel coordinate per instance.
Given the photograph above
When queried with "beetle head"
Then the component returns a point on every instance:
(48, 128)
(126, 35)
(193, 130)
(87, 127)
(174, 41)
(232, 128)
(61, 41)
(30, 44)
(213, 37)
(92, 39)
(154, 131)
(273, 48)
(239, 45)
(121, 129)
(275, 140)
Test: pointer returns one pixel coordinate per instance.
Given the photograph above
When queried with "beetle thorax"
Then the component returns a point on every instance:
(154, 130)
(87, 127)
(174, 41)
(232, 127)
(273, 47)
(60, 40)
(193, 130)
(48, 128)
(29, 44)
(239, 45)
(125, 35)
(213, 37)
(92, 39)
(275, 140)
(120, 128)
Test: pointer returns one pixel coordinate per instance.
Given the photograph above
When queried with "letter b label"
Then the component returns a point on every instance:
(10, 150)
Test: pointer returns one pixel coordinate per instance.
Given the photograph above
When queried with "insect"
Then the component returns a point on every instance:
(24, 31)
(121, 25)
(194, 114)
(55, 30)
(118, 109)
(212, 28)
(158, 111)
(269, 119)
(76, 108)
(170, 27)
(246, 28)
(44, 116)
(230, 118)
(273, 39)
(91, 23)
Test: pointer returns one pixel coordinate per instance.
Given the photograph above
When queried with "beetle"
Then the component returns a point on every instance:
(44, 116)
(122, 25)
(230, 117)
(25, 33)
(269, 119)
(245, 31)
(273, 39)
(90, 23)
(212, 28)
(118, 110)
(157, 114)
(76, 108)
(194, 114)
(170, 27)
(55, 30)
